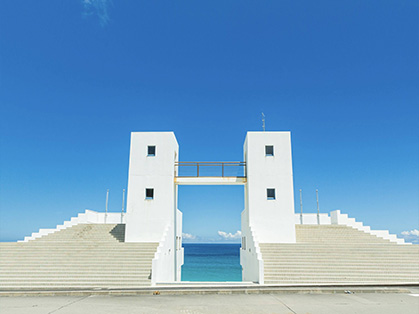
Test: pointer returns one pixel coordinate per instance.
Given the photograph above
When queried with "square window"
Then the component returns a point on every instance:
(270, 194)
(151, 150)
(149, 194)
(269, 150)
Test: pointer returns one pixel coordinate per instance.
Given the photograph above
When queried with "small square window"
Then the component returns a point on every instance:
(269, 150)
(151, 151)
(149, 194)
(270, 194)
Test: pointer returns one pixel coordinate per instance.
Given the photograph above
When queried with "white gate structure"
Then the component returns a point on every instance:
(155, 173)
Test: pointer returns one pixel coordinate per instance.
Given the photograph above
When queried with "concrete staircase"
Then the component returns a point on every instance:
(336, 254)
(82, 256)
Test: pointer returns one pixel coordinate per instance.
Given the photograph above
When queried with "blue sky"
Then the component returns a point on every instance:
(78, 76)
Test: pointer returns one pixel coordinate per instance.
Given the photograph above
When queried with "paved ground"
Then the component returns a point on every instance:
(382, 303)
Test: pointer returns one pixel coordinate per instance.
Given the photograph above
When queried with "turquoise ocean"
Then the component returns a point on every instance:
(211, 262)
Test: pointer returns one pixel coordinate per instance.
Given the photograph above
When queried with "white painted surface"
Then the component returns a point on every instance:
(210, 181)
(88, 217)
(311, 219)
(153, 220)
(272, 220)
(147, 220)
(163, 265)
(250, 255)
(337, 218)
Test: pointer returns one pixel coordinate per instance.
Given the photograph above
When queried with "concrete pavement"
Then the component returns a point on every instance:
(371, 303)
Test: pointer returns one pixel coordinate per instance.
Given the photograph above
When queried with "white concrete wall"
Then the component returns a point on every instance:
(88, 217)
(272, 220)
(337, 218)
(311, 219)
(163, 264)
(147, 220)
(250, 255)
(179, 248)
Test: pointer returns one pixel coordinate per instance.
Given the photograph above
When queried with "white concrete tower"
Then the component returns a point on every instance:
(152, 194)
(269, 192)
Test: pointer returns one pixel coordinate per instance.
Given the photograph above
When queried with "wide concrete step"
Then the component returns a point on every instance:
(72, 255)
(73, 276)
(346, 246)
(66, 285)
(78, 262)
(78, 246)
(343, 271)
(354, 264)
(342, 276)
(339, 255)
(91, 270)
(333, 267)
(338, 282)
(82, 256)
(79, 253)
(306, 255)
(75, 239)
(79, 249)
(347, 279)
(73, 243)
(146, 263)
(287, 250)
(85, 280)
(73, 284)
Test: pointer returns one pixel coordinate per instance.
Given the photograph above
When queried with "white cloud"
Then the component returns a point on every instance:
(98, 8)
(411, 236)
(411, 232)
(188, 236)
(230, 236)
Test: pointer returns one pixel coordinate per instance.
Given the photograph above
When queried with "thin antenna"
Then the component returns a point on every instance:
(106, 208)
(123, 205)
(318, 211)
(263, 122)
(301, 206)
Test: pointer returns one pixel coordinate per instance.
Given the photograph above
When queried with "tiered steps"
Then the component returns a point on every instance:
(83, 256)
(335, 254)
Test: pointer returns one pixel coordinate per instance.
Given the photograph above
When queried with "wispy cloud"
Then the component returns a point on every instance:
(229, 235)
(97, 8)
(188, 236)
(411, 236)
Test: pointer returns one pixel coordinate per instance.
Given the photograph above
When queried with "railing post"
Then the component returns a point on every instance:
(222, 167)
(318, 210)
(197, 169)
(123, 205)
(106, 208)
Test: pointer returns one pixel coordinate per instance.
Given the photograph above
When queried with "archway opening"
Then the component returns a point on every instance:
(211, 232)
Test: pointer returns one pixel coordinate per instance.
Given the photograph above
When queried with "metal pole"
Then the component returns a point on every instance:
(263, 122)
(318, 211)
(222, 165)
(123, 205)
(197, 169)
(301, 206)
(106, 208)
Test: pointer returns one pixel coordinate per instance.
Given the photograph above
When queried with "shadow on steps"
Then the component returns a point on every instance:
(118, 232)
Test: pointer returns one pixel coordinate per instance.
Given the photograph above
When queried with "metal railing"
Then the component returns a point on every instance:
(210, 169)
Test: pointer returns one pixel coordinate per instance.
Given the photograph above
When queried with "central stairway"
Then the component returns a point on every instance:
(336, 254)
(83, 256)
